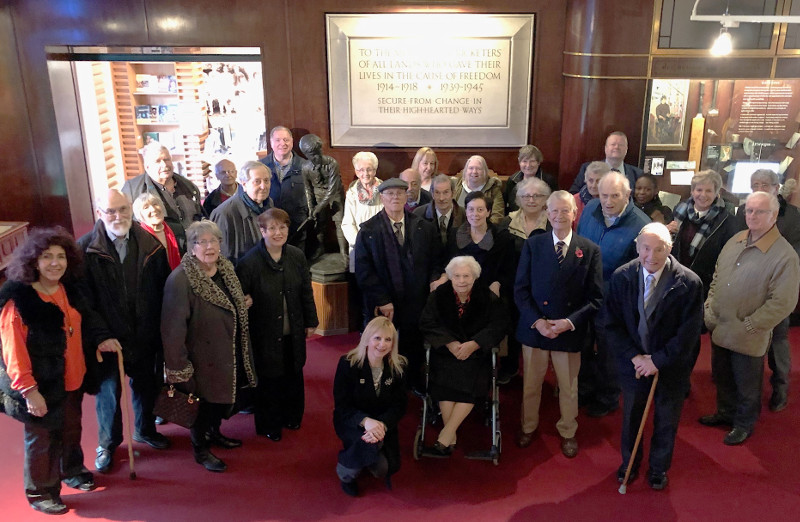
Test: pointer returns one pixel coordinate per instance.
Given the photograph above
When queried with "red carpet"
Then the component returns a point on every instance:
(295, 480)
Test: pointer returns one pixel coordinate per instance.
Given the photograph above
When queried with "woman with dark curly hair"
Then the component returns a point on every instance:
(44, 364)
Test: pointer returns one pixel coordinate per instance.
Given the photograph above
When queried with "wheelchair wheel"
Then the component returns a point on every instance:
(418, 444)
(496, 459)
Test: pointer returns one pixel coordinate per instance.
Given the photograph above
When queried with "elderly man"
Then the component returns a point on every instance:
(442, 211)
(779, 355)
(397, 257)
(653, 314)
(287, 189)
(126, 269)
(416, 196)
(237, 217)
(613, 222)
(595, 171)
(558, 291)
(180, 197)
(754, 288)
(225, 172)
(616, 148)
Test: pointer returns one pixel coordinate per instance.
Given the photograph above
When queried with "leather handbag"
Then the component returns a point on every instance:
(177, 407)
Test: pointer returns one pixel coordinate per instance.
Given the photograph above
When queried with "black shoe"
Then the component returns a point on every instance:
(621, 474)
(160, 421)
(388, 481)
(438, 451)
(351, 488)
(208, 460)
(81, 482)
(715, 419)
(218, 439)
(778, 402)
(736, 436)
(292, 426)
(274, 436)
(658, 480)
(104, 460)
(598, 409)
(154, 440)
(504, 377)
(49, 507)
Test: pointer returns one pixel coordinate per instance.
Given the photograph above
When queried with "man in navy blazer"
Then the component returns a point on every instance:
(653, 312)
(558, 291)
(616, 148)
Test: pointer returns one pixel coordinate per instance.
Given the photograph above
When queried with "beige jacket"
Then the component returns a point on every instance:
(493, 190)
(754, 288)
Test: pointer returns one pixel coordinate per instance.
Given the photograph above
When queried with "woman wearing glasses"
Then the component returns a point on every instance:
(206, 338)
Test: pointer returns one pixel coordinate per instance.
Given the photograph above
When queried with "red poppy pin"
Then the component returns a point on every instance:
(578, 253)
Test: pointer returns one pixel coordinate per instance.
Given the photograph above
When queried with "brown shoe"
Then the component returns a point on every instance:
(569, 447)
(523, 439)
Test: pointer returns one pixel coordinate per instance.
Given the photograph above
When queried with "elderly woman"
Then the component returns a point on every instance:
(475, 178)
(369, 401)
(594, 171)
(530, 160)
(206, 338)
(426, 163)
(149, 213)
(276, 276)
(645, 196)
(462, 320)
(44, 364)
(362, 200)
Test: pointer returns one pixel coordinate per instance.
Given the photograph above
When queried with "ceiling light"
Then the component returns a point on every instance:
(723, 45)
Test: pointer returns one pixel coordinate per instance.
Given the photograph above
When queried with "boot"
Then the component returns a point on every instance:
(202, 455)
(215, 437)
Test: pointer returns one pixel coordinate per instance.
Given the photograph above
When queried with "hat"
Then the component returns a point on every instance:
(392, 183)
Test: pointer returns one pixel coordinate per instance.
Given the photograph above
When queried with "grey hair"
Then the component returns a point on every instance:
(774, 204)
(145, 198)
(441, 178)
(708, 176)
(766, 174)
(280, 128)
(198, 228)
(481, 160)
(467, 261)
(530, 183)
(152, 149)
(659, 230)
(563, 195)
(619, 177)
(598, 166)
(367, 156)
(244, 172)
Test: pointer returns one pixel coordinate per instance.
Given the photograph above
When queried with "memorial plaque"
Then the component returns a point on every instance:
(406, 80)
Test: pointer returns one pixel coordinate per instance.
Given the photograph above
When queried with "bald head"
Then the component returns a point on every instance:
(225, 172)
(614, 189)
(114, 208)
(414, 180)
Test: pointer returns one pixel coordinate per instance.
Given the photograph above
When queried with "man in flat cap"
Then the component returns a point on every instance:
(397, 257)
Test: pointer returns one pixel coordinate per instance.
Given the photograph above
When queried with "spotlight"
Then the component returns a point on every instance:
(723, 45)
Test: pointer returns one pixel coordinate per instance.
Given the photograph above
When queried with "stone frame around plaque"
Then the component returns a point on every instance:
(440, 80)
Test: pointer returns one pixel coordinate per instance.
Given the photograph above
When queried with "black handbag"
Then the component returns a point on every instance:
(177, 407)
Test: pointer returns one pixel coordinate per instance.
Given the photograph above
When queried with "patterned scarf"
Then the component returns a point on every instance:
(461, 306)
(584, 195)
(364, 196)
(686, 211)
(253, 206)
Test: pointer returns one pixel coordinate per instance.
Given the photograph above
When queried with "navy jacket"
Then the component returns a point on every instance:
(631, 172)
(289, 194)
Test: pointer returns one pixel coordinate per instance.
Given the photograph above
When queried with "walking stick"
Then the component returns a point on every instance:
(126, 412)
(624, 487)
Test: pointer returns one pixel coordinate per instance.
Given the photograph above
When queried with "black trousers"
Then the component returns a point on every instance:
(209, 416)
(667, 405)
(279, 401)
(53, 454)
(597, 379)
(739, 379)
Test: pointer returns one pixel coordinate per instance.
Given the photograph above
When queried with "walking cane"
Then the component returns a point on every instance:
(624, 487)
(126, 412)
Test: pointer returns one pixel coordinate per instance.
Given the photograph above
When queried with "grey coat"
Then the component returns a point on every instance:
(239, 226)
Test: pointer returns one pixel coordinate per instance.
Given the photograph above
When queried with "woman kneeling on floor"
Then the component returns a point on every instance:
(369, 401)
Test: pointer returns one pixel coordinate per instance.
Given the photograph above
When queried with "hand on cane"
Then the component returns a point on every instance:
(643, 364)
(109, 345)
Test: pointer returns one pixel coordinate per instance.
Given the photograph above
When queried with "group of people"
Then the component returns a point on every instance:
(588, 281)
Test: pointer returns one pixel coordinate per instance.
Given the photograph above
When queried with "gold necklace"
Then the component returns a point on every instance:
(64, 309)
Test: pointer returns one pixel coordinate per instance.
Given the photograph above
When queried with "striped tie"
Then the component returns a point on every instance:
(398, 233)
(560, 251)
(648, 289)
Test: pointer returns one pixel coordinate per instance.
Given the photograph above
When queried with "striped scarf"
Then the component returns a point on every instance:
(686, 211)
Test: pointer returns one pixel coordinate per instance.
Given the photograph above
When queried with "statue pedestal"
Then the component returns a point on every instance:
(330, 294)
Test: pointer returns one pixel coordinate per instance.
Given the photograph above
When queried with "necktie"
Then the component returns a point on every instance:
(398, 233)
(121, 244)
(649, 286)
(560, 251)
(615, 170)
(443, 228)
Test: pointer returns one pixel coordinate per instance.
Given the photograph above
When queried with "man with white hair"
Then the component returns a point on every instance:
(754, 288)
(126, 268)
(237, 218)
(611, 221)
(653, 315)
(180, 197)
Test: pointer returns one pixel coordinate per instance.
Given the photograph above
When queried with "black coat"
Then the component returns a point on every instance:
(423, 246)
(354, 398)
(498, 263)
(631, 172)
(485, 321)
(545, 289)
(289, 194)
(46, 344)
(104, 286)
(268, 283)
(510, 193)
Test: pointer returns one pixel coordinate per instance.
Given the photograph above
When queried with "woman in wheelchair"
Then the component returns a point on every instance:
(462, 321)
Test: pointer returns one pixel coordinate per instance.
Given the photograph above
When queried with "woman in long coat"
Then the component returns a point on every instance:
(369, 401)
(206, 338)
(275, 275)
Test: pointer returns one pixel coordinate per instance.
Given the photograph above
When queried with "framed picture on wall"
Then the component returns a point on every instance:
(666, 125)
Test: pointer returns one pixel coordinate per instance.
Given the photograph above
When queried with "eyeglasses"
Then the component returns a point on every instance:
(275, 228)
(756, 187)
(532, 196)
(757, 211)
(206, 242)
(232, 172)
(121, 211)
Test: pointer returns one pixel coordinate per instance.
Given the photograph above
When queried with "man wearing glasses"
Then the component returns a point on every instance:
(225, 172)
(126, 268)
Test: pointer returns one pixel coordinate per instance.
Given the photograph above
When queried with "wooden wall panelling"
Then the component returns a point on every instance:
(190, 79)
(122, 75)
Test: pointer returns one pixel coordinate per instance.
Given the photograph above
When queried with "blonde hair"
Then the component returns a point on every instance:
(420, 155)
(358, 355)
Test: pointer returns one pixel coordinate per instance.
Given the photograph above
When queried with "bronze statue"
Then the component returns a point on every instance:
(325, 194)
